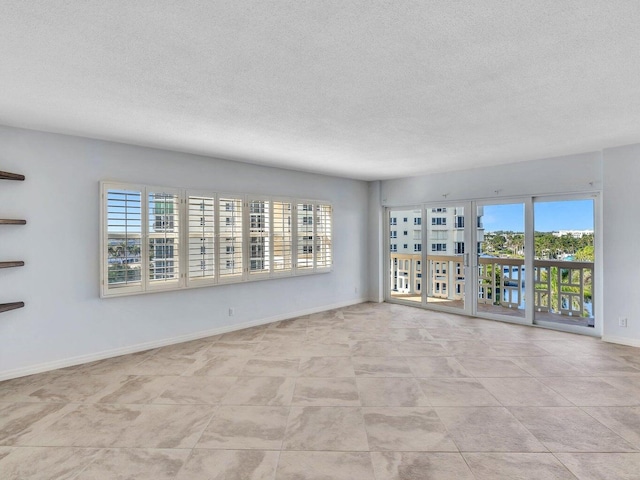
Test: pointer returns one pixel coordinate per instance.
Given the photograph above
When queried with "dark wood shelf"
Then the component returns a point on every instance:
(5, 221)
(11, 176)
(5, 307)
(17, 263)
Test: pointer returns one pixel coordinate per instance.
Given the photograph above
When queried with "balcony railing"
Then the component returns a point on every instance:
(560, 287)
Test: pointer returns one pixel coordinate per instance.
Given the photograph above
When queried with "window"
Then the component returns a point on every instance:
(438, 247)
(231, 235)
(405, 219)
(439, 221)
(393, 221)
(405, 246)
(324, 236)
(259, 237)
(394, 247)
(123, 239)
(282, 237)
(439, 210)
(201, 241)
(163, 237)
(417, 221)
(394, 234)
(417, 247)
(459, 222)
(148, 235)
(459, 248)
(405, 233)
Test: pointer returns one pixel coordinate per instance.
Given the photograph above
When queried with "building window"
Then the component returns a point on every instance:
(459, 248)
(393, 221)
(405, 219)
(459, 222)
(417, 247)
(405, 233)
(438, 221)
(438, 247)
(394, 234)
(417, 221)
(394, 247)
(405, 246)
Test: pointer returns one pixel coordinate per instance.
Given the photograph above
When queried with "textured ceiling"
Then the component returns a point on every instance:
(364, 89)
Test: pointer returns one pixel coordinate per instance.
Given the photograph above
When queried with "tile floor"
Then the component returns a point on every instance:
(373, 391)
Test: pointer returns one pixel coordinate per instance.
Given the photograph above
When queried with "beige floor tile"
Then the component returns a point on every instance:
(517, 466)
(71, 388)
(599, 366)
(467, 348)
(138, 463)
(437, 367)
(324, 466)
(590, 392)
(218, 366)
(569, 429)
(517, 349)
(546, 366)
(326, 367)
(240, 428)
(271, 367)
(408, 335)
(230, 465)
(325, 392)
(374, 349)
(44, 463)
(391, 392)
(419, 465)
(406, 429)
(456, 392)
(523, 392)
(275, 391)
(284, 335)
(110, 366)
(625, 421)
(381, 367)
(134, 389)
(232, 349)
(326, 428)
(487, 429)
(452, 333)
(422, 349)
(485, 367)
(22, 420)
(164, 365)
(602, 466)
(195, 390)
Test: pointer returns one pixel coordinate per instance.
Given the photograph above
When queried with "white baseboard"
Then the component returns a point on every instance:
(141, 347)
(631, 342)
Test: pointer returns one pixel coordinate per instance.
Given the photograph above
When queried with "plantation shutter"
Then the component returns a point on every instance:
(259, 237)
(230, 237)
(163, 237)
(304, 252)
(123, 245)
(324, 247)
(201, 248)
(282, 237)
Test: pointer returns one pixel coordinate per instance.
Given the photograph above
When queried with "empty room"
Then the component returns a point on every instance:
(313, 240)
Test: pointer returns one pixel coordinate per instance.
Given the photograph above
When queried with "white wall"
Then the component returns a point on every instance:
(621, 233)
(65, 321)
(376, 244)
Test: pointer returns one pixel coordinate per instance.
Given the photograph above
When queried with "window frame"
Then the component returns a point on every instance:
(184, 281)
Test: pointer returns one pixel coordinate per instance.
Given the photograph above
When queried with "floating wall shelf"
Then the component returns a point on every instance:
(11, 176)
(5, 221)
(12, 264)
(5, 307)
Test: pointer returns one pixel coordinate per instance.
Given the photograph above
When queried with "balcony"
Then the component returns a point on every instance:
(562, 289)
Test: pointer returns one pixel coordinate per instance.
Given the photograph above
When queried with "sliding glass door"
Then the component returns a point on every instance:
(525, 260)
(501, 259)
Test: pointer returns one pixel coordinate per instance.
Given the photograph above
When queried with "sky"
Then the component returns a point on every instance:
(548, 216)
